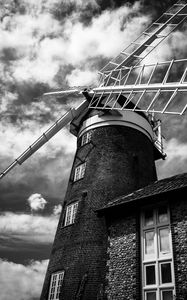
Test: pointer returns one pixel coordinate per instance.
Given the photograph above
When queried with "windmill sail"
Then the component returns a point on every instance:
(151, 88)
(145, 43)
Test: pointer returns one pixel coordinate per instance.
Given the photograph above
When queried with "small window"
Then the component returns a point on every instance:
(71, 211)
(79, 171)
(86, 138)
(55, 285)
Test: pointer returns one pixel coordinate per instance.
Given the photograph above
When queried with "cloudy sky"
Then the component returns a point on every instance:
(49, 45)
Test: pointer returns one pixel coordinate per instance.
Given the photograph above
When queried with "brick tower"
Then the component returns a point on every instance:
(115, 155)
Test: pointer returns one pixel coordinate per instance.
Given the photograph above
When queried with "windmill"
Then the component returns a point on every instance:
(118, 140)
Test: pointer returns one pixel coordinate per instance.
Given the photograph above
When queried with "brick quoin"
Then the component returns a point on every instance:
(179, 240)
(119, 159)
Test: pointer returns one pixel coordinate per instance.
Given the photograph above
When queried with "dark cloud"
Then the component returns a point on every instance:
(14, 197)
(63, 10)
(45, 175)
(30, 91)
(154, 7)
(8, 54)
(83, 12)
(111, 4)
(17, 251)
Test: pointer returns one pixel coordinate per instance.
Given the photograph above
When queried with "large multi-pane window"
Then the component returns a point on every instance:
(157, 257)
(71, 211)
(79, 171)
(86, 138)
(55, 285)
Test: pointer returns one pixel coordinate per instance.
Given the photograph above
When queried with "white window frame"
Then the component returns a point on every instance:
(79, 172)
(158, 257)
(71, 211)
(55, 285)
(86, 138)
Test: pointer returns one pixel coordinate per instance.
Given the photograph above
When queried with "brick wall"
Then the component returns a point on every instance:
(123, 267)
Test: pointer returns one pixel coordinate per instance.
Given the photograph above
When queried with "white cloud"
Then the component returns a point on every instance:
(108, 34)
(38, 70)
(46, 44)
(176, 160)
(21, 282)
(36, 202)
(175, 149)
(57, 209)
(16, 140)
(179, 42)
(28, 228)
(82, 78)
(30, 28)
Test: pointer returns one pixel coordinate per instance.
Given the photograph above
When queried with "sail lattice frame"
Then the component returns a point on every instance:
(145, 43)
(153, 88)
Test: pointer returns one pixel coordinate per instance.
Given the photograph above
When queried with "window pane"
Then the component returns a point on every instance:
(164, 240)
(83, 167)
(79, 172)
(75, 206)
(167, 295)
(150, 275)
(149, 242)
(68, 215)
(162, 214)
(166, 273)
(86, 138)
(149, 217)
(71, 211)
(151, 296)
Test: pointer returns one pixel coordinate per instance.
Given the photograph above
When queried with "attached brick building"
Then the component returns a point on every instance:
(147, 242)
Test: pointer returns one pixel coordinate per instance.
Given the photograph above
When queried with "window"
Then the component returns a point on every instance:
(71, 211)
(55, 285)
(86, 138)
(79, 171)
(157, 257)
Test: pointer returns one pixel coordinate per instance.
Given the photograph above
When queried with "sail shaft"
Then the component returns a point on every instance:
(47, 135)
